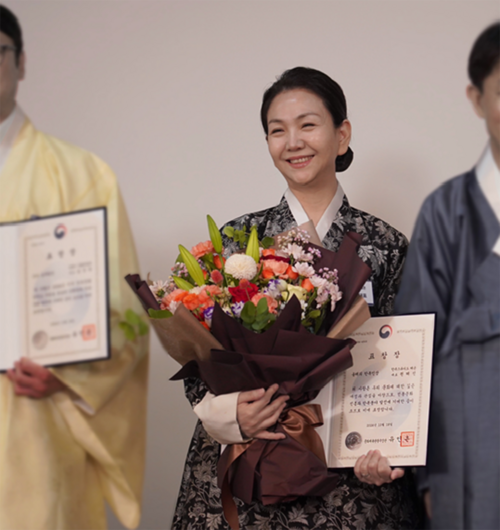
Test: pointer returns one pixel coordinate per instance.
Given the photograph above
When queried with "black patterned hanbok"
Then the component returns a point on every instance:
(352, 504)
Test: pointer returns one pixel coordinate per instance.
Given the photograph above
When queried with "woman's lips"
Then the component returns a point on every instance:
(301, 161)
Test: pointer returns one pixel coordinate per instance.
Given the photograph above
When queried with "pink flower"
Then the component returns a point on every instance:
(199, 250)
(277, 267)
(272, 304)
(216, 277)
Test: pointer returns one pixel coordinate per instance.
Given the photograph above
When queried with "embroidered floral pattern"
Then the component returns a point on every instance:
(352, 505)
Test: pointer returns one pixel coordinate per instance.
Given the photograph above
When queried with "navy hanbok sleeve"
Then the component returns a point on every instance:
(428, 276)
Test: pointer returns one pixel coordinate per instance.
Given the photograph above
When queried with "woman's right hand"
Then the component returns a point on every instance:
(256, 414)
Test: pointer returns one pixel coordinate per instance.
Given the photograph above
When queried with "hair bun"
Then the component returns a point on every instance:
(342, 162)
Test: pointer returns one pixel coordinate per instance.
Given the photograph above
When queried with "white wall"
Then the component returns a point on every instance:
(168, 93)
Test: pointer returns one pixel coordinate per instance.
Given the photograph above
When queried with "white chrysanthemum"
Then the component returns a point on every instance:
(304, 269)
(241, 266)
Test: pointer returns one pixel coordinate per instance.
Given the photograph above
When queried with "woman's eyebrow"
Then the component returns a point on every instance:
(299, 117)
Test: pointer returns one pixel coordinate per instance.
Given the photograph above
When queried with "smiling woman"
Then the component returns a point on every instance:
(304, 117)
(304, 144)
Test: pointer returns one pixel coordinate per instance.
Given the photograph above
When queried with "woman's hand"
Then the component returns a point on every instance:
(373, 468)
(256, 414)
(33, 380)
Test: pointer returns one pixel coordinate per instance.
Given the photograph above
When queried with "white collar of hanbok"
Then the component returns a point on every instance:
(9, 129)
(488, 176)
(328, 216)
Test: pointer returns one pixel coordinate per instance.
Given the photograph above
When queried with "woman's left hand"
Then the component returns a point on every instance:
(373, 468)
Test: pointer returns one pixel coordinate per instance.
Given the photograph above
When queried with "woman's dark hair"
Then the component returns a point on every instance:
(10, 26)
(320, 84)
(485, 55)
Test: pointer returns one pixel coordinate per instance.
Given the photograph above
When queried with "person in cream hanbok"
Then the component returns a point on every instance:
(70, 436)
(304, 118)
(453, 269)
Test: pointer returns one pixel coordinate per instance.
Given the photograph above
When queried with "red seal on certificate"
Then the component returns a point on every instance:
(407, 439)
(89, 332)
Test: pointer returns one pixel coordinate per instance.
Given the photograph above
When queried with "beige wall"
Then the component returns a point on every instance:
(168, 93)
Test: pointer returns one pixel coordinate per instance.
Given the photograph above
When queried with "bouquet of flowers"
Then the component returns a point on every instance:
(251, 287)
(264, 315)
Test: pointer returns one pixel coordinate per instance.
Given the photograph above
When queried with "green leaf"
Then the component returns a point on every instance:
(192, 265)
(136, 321)
(159, 313)
(267, 242)
(315, 313)
(143, 328)
(182, 283)
(229, 231)
(259, 326)
(132, 317)
(208, 259)
(262, 308)
(253, 245)
(248, 312)
(128, 330)
(215, 236)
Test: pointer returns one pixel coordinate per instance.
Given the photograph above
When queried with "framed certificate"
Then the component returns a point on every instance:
(54, 289)
(382, 401)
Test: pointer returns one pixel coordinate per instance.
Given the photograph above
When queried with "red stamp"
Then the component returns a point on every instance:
(407, 439)
(89, 332)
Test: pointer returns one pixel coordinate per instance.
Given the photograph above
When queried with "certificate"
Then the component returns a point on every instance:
(382, 401)
(54, 289)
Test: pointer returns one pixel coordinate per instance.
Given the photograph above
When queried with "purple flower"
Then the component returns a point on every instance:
(207, 315)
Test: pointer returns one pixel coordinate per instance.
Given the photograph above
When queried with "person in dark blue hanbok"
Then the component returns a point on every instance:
(453, 269)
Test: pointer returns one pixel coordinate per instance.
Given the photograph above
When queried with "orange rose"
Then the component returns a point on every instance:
(291, 273)
(267, 274)
(307, 285)
(219, 261)
(191, 301)
(269, 252)
(174, 296)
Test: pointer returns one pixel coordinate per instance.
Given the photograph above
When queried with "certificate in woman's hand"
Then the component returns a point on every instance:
(382, 401)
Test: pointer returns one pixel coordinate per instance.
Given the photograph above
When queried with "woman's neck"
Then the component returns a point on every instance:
(315, 202)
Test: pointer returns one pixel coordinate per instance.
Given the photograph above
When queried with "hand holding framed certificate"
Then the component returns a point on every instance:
(54, 289)
(382, 401)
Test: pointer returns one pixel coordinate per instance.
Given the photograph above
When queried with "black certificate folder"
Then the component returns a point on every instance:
(54, 299)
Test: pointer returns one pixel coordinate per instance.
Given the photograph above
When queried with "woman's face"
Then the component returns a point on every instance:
(303, 141)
